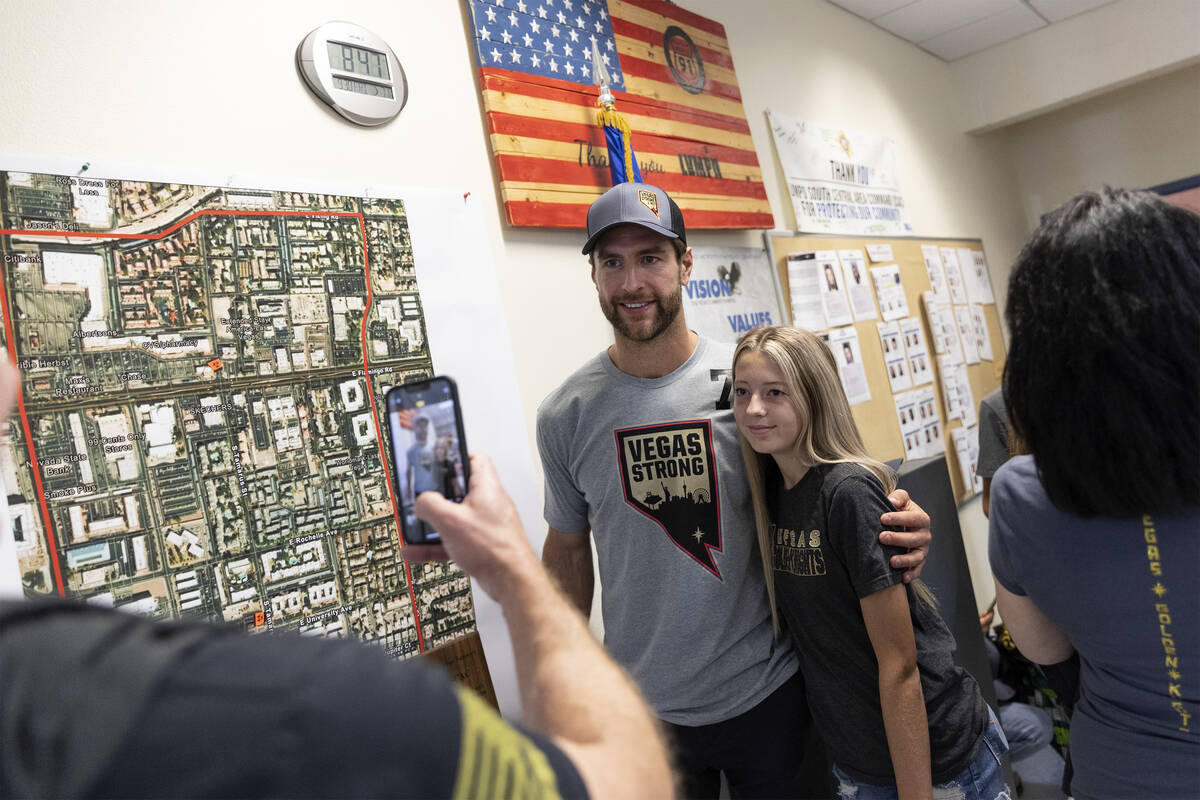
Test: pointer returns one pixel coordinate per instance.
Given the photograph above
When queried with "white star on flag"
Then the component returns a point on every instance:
(579, 21)
(491, 12)
(506, 36)
(521, 6)
(569, 67)
(553, 65)
(574, 35)
(554, 31)
(537, 62)
(586, 72)
(534, 26)
(512, 19)
(541, 12)
(495, 54)
(528, 40)
(516, 56)
(549, 46)
(562, 18)
(484, 33)
(568, 4)
(567, 51)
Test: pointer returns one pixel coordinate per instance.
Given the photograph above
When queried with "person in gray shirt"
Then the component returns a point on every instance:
(639, 448)
(994, 447)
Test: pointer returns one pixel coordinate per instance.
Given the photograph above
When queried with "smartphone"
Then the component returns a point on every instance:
(429, 451)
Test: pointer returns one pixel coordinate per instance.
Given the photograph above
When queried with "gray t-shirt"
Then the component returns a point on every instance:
(827, 557)
(656, 470)
(993, 434)
(1124, 591)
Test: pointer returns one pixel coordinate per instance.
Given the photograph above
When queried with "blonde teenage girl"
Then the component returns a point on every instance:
(899, 717)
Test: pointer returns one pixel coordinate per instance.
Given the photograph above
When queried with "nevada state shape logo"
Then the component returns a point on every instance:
(669, 474)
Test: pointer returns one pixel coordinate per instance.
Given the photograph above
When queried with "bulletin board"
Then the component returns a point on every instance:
(877, 418)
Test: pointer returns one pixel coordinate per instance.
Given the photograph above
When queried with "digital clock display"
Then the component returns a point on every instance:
(362, 87)
(368, 63)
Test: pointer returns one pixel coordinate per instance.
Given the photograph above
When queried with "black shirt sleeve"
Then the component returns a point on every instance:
(855, 506)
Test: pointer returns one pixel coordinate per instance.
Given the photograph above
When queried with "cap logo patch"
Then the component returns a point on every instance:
(649, 199)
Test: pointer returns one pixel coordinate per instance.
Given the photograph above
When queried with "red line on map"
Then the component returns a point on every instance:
(12, 355)
(387, 468)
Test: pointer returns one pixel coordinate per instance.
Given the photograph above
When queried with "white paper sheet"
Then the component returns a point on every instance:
(966, 448)
(858, 283)
(895, 358)
(935, 270)
(918, 353)
(846, 351)
(943, 328)
(966, 334)
(932, 441)
(892, 301)
(910, 424)
(804, 289)
(880, 252)
(983, 339)
(954, 278)
(833, 289)
(979, 281)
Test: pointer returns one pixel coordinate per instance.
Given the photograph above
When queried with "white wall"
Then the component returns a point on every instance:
(1115, 45)
(1133, 138)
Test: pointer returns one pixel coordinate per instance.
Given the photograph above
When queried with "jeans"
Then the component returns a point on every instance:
(983, 779)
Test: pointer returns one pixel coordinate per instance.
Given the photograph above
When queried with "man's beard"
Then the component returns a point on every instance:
(666, 309)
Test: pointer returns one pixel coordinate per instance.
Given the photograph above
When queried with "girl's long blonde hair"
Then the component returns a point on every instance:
(828, 434)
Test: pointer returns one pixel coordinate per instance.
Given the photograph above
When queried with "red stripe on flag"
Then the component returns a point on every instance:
(549, 171)
(523, 85)
(672, 13)
(555, 130)
(623, 27)
(652, 70)
(574, 215)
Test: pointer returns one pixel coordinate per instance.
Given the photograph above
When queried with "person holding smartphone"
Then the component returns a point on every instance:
(189, 709)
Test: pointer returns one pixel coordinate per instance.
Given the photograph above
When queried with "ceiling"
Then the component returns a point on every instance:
(951, 29)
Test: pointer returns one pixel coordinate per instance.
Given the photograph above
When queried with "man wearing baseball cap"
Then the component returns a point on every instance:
(639, 448)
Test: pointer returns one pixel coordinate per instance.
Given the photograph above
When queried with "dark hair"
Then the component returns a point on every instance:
(1103, 373)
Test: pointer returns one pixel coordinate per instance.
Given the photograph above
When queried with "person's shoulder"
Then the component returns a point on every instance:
(715, 350)
(580, 386)
(1017, 491)
(994, 404)
(1018, 477)
(849, 477)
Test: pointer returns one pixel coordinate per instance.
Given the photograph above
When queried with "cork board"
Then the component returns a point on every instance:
(876, 418)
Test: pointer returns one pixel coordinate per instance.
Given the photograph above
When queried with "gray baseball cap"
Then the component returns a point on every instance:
(634, 204)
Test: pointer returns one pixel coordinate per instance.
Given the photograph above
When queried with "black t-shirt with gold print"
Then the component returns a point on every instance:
(827, 556)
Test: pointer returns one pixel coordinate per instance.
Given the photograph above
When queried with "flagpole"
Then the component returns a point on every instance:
(622, 164)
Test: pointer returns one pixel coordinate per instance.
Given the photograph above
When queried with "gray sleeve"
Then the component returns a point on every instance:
(565, 508)
(993, 438)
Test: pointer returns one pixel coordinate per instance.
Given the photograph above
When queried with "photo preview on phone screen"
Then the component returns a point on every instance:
(427, 447)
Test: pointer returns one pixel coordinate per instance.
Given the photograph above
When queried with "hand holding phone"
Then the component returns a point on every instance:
(429, 450)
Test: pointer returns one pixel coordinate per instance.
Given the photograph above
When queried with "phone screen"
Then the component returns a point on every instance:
(428, 449)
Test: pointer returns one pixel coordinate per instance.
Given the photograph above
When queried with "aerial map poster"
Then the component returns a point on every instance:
(199, 429)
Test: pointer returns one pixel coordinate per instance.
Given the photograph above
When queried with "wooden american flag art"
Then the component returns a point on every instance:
(673, 79)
